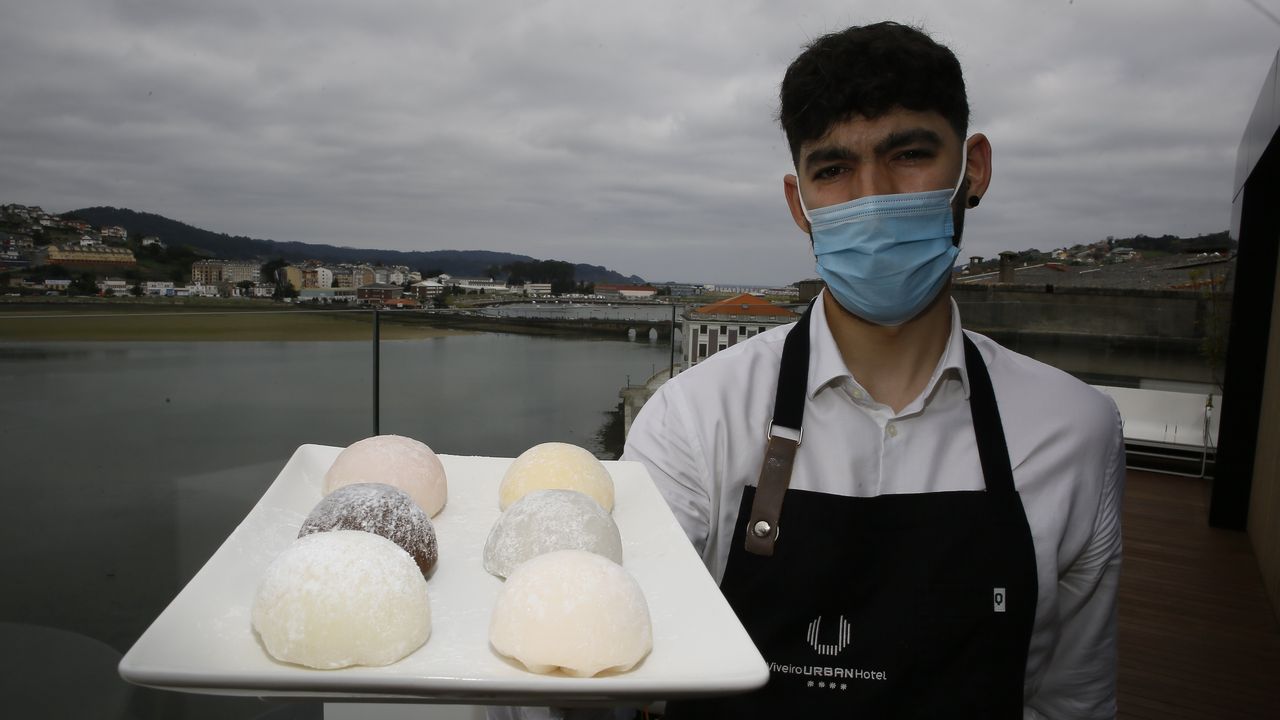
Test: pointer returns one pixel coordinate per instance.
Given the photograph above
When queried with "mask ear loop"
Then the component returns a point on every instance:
(964, 166)
(800, 197)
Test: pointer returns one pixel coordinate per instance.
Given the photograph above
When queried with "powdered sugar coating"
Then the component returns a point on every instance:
(341, 598)
(379, 509)
(556, 465)
(548, 520)
(574, 611)
(394, 460)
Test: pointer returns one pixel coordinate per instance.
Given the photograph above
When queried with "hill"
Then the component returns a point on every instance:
(239, 247)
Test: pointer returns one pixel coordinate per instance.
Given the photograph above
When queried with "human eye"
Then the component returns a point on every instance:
(828, 172)
(915, 154)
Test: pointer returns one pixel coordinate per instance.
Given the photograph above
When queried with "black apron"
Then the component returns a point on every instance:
(895, 606)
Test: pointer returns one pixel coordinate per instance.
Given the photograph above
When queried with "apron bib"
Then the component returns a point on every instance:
(895, 606)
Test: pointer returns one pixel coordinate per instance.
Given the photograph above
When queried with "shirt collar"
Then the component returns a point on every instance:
(827, 368)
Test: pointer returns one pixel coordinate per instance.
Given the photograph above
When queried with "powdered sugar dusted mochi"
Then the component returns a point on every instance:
(379, 509)
(556, 465)
(347, 597)
(574, 611)
(548, 520)
(394, 460)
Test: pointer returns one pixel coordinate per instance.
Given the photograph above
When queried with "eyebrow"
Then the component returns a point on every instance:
(893, 141)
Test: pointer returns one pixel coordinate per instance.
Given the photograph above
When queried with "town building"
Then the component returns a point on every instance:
(317, 277)
(537, 289)
(626, 292)
(720, 325)
(426, 290)
(158, 288)
(113, 286)
(291, 275)
(378, 293)
(213, 272)
(98, 257)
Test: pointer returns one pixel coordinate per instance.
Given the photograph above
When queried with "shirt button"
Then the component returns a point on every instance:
(892, 430)
(857, 394)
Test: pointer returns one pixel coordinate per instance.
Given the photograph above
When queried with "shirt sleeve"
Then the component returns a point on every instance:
(662, 439)
(1081, 679)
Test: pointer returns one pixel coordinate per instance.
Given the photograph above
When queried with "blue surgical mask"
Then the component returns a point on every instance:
(886, 257)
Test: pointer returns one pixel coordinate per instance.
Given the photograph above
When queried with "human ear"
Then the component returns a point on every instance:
(978, 168)
(791, 188)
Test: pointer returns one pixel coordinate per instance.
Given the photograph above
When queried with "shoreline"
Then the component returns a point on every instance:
(171, 323)
(143, 320)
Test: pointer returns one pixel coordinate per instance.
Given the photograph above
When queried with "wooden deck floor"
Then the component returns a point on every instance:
(1198, 636)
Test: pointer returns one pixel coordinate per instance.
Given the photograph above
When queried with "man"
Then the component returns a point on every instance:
(926, 517)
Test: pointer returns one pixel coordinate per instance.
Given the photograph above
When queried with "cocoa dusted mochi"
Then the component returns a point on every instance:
(382, 510)
(394, 460)
(548, 520)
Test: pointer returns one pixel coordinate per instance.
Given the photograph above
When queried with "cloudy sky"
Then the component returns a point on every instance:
(636, 135)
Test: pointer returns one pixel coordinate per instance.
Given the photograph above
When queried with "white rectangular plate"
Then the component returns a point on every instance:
(203, 641)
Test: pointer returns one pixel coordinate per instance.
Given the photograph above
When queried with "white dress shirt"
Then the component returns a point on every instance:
(703, 436)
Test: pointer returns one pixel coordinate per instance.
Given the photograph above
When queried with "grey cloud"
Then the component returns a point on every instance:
(638, 136)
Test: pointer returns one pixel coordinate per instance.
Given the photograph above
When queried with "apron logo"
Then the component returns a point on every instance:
(998, 599)
(842, 637)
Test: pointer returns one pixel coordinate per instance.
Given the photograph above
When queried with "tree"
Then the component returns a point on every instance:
(270, 267)
(245, 286)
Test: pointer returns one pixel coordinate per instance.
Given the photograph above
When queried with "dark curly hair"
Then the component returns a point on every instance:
(869, 70)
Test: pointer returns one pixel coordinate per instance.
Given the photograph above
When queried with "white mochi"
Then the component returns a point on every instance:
(554, 465)
(340, 598)
(572, 610)
(400, 462)
(548, 520)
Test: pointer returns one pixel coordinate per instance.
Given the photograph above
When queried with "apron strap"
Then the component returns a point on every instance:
(992, 450)
(788, 412)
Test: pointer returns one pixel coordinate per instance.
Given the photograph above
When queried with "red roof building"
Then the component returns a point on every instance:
(720, 325)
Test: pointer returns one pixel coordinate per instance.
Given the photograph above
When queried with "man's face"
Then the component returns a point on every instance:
(901, 151)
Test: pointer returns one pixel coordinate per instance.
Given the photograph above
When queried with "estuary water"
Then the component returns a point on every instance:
(125, 465)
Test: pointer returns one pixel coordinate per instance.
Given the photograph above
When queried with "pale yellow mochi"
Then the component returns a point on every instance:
(401, 462)
(340, 598)
(556, 466)
(574, 611)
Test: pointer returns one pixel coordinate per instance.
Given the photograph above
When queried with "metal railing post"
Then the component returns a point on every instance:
(672, 371)
(376, 371)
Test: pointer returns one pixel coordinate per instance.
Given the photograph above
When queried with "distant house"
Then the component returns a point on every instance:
(152, 240)
(720, 325)
(378, 293)
(113, 286)
(537, 289)
(110, 233)
(426, 289)
(158, 288)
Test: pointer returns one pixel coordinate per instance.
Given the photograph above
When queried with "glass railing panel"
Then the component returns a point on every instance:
(130, 457)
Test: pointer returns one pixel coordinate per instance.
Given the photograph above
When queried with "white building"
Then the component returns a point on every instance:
(720, 325)
(158, 288)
